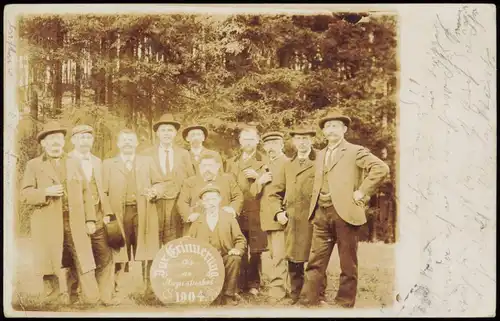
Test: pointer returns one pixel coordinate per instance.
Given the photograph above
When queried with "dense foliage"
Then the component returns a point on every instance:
(221, 71)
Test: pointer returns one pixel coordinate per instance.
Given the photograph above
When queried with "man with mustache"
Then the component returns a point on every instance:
(174, 165)
(195, 135)
(337, 208)
(222, 232)
(63, 219)
(273, 145)
(245, 166)
(128, 179)
(83, 140)
(189, 204)
(289, 200)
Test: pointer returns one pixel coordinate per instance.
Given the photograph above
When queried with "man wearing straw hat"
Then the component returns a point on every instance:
(195, 135)
(83, 139)
(63, 219)
(337, 208)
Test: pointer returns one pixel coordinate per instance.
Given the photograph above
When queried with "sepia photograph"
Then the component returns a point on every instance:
(171, 161)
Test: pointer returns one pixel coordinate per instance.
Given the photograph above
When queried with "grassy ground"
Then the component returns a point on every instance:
(375, 286)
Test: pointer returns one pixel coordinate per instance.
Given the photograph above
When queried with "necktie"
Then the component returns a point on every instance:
(128, 164)
(329, 158)
(167, 162)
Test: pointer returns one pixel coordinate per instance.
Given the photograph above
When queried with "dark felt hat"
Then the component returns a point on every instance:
(334, 115)
(114, 234)
(272, 136)
(186, 130)
(166, 119)
(50, 128)
(303, 131)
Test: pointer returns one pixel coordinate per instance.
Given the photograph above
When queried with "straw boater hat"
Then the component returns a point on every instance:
(81, 129)
(334, 115)
(50, 128)
(207, 189)
(303, 131)
(186, 130)
(272, 136)
(166, 119)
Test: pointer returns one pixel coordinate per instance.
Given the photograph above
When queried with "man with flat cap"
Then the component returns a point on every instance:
(83, 139)
(245, 166)
(222, 231)
(174, 164)
(195, 135)
(189, 204)
(63, 219)
(288, 205)
(337, 208)
(273, 145)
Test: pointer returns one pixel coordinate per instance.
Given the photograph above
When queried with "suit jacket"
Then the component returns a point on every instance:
(114, 186)
(47, 229)
(292, 191)
(189, 202)
(227, 230)
(262, 192)
(249, 219)
(105, 207)
(182, 167)
(204, 151)
(345, 176)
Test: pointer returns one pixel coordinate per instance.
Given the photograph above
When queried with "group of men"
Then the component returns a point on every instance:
(93, 217)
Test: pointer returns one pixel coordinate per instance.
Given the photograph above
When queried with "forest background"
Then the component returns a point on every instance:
(116, 71)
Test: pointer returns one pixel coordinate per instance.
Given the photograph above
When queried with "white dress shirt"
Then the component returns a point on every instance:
(212, 221)
(330, 152)
(86, 162)
(128, 160)
(162, 154)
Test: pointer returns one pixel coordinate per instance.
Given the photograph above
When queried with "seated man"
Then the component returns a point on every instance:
(222, 231)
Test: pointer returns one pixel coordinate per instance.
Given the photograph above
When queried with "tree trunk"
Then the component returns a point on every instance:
(57, 80)
(78, 82)
(109, 81)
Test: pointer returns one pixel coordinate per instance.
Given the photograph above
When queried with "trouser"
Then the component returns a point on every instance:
(251, 268)
(87, 281)
(232, 265)
(329, 228)
(170, 224)
(278, 272)
(130, 225)
(296, 276)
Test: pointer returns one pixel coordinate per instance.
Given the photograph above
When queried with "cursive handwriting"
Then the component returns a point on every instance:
(10, 46)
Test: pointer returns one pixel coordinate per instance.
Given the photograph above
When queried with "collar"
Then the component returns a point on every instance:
(126, 158)
(170, 149)
(246, 156)
(197, 151)
(46, 157)
(82, 156)
(212, 216)
(276, 158)
(335, 146)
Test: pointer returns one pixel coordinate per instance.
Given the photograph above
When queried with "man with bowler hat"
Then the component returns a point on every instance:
(63, 220)
(337, 208)
(195, 135)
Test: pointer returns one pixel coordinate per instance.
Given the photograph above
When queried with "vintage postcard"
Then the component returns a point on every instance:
(246, 160)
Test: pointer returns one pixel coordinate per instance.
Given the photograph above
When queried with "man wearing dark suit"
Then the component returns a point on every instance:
(83, 139)
(289, 200)
(174, 164)
(195, 135)
(245, 166)
(189, 204)
(273, 145)
(337, 208)
(222, 232)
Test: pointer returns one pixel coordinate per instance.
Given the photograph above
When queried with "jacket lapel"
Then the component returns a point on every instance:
(119, 164)
(177, 158)
(338, 155)
(49, 170)
(308, 164)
